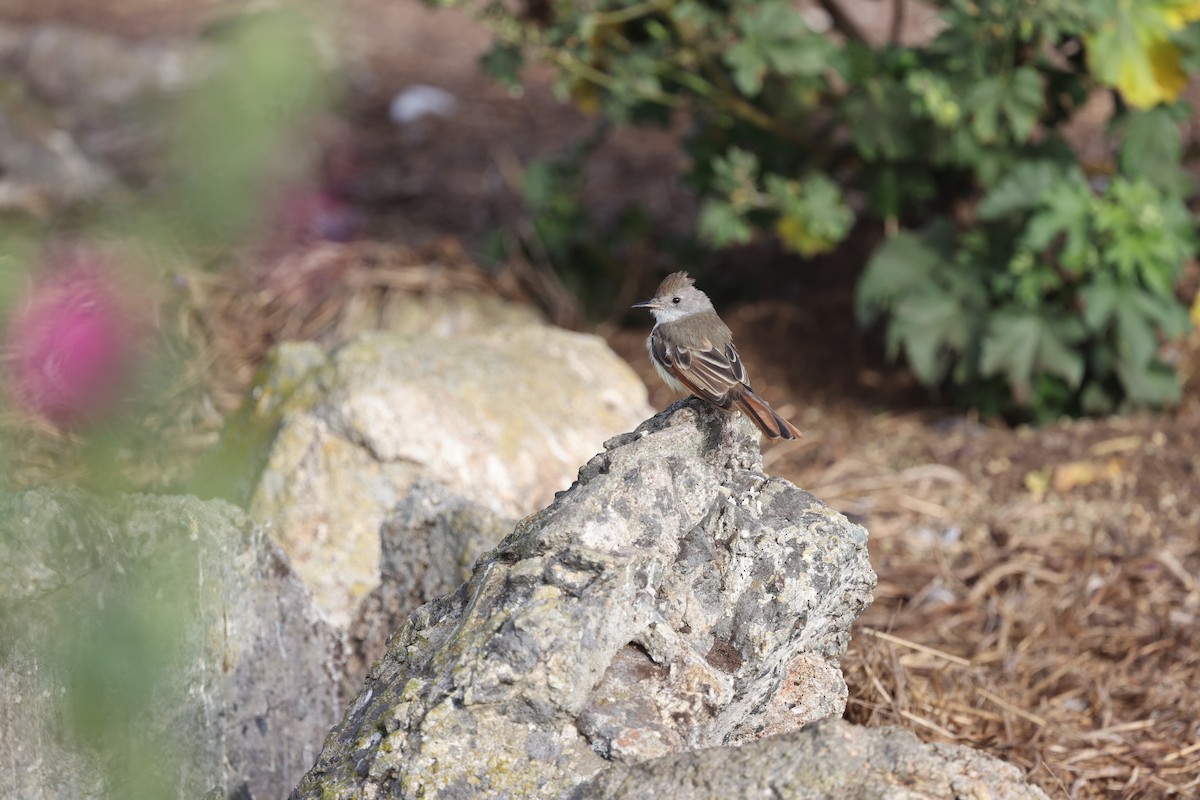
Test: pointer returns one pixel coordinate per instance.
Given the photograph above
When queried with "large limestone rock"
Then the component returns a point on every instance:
(153, 647)
(827, 761)
(505, 418)
(675, 597)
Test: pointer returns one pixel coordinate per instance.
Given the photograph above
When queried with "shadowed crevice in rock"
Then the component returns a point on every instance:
(675, 597)
(430, 542)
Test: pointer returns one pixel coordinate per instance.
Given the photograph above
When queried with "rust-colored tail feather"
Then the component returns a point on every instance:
(761, 414)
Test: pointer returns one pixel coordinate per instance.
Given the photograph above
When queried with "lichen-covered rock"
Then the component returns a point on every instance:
(505, 418)
(825, 761)
(674, 597)
(154, 647)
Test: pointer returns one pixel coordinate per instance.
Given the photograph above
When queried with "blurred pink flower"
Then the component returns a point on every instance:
(70, 346)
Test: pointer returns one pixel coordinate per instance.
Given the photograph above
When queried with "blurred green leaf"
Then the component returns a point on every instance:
(1024, 187)
(813, 216)
(503, 63)
(902, 264)
(1020, 345)
(1153, 384)
(773, 36)
(933, 326)
(721, 225)
(1066, 211)
(1006, 104)
(1152, 148)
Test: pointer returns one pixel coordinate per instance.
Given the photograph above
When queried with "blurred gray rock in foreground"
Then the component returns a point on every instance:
(431, 541)
(503, 418)
(172, 632)
(673, 598)
(831, 759)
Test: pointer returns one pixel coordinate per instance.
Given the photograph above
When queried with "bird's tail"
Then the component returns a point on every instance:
(761, 414)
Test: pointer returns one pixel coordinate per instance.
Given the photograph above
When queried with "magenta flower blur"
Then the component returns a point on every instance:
(70, 346)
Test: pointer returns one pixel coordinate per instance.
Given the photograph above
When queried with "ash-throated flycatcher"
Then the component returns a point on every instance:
(692, 350)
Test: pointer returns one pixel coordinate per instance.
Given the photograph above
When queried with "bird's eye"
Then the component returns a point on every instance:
(674, 299)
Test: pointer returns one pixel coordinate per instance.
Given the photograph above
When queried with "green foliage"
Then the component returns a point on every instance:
(562, 240)
(1046, 289)
(1066, 307)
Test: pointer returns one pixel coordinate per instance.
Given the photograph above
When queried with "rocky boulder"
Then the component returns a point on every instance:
(153, 647)
(832, 759)
(504, 417)
(675, 597)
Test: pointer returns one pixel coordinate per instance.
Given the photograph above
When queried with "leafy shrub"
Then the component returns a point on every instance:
(574, 260)
(1028, 281)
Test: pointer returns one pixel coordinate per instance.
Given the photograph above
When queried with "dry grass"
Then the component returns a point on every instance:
(1038, 594)
(325, 293)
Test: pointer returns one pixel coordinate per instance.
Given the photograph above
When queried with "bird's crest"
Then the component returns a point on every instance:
(674, 283)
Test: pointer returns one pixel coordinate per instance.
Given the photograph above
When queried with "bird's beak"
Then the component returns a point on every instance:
(650, 304)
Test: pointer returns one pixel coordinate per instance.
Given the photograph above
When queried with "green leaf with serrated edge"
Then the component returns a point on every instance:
(1057, 354)
(1165, 312)
(1136, 342)
(901, 264)
(1066, 210)
(1152, 148)
(773, 36)
(503, 64)
(1023, 102)
(1152, 384)
(804, 57)
(722, 226)
(748, 65)
(1022, 345)
(1099, 303)
(932, 324)
(983, 102)
(1010, 348)
(1024, 187)
(735, 169)
(812, 214)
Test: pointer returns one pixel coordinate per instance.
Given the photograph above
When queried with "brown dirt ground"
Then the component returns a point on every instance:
(1039, 588)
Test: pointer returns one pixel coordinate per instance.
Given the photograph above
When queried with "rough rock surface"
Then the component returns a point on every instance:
(674, 598)
(831, 759)
(431, 541)
(247, 670)
(505, 418)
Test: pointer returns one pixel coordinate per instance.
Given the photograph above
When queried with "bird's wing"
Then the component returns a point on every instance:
(716, 375)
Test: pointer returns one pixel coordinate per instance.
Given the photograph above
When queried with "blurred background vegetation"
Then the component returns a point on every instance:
(1017, 276)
